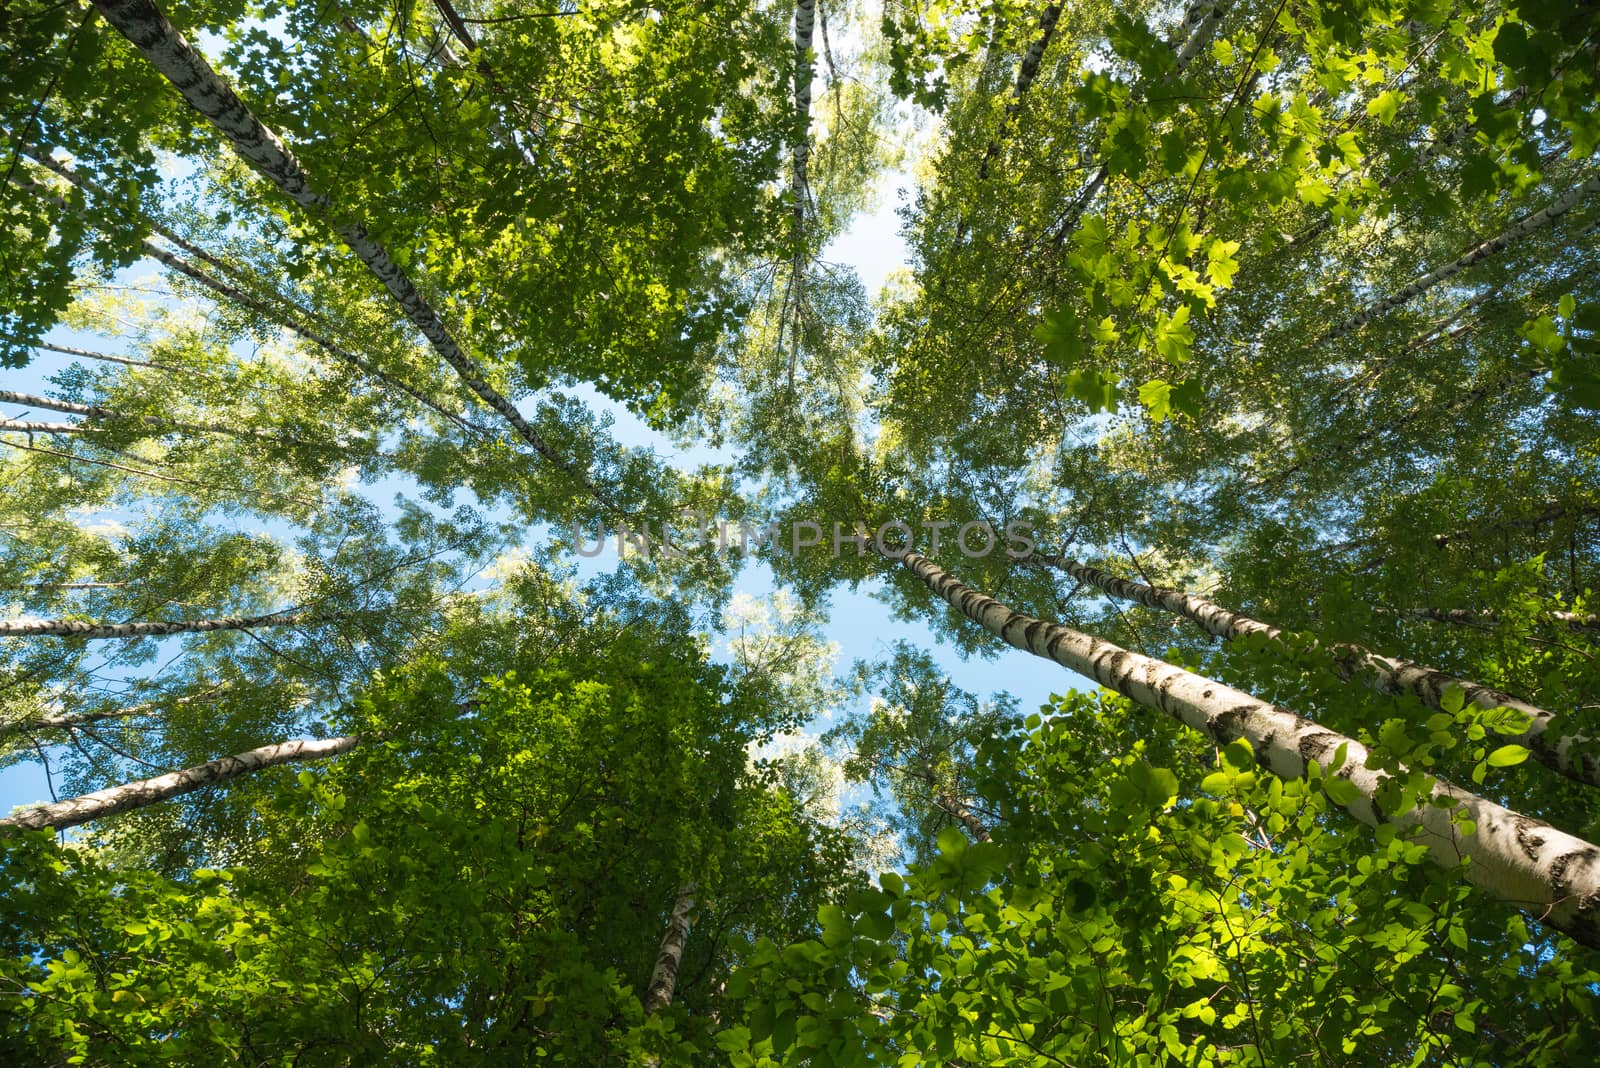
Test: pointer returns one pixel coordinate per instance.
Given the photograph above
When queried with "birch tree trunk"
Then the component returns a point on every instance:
(1524, 862)
(962, 813)
(109, 802)
(1473, 617)
(290, 316)
(125, 361)
(78, 628)
(72, 721)
(1026, 73)
(664, 977)
(1483, 250)
(1568, 754)
(149, 31)
(93, 411)
(804, 72)
(28, 426)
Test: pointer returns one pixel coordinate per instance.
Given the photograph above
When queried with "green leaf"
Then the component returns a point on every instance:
(1385, 106)
(1239, 755)
(1062, 334)
(1507, 756)
(1343, 791)
(1100, 392)
(1156, 396)
(952, 843)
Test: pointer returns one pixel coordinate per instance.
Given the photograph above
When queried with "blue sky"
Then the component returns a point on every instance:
(860, 625)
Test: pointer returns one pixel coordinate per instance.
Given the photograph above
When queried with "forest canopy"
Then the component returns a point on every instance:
(440, 447)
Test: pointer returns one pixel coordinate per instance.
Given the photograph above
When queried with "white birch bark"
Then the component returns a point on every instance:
(286, 317)
(963, 814)
(34, 426)
(1518, 230)
(1026, 73)
(112, 800)
(1571, 755)
(1472, 617)
(804, 72)
(664, 976)
(72, 721)
(104, 357)
(78, 628)
(95, 412)
(148, 30)
(1525, 862)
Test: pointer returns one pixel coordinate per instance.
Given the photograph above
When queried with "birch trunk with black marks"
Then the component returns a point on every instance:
(103, 357)
(1518, 230)
(283, 312)
(34, 426)
(78, 628)
(1199, 24)
(1478, 617)
(95, 412)
(149, 31)
(1524, 862)
(145, 792)
(1026, 73)
(804, 72)
(72, 721)
(664, 976)
(1571, 755)
(960, 811)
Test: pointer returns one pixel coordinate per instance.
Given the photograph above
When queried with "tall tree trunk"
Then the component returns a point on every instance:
(103, 357)
(1026, 73)
(27, 426)
(664, 977)
(804, 72)
(962, 813)
(108, 802)
(1197, 28)
(1524, 862)
(1482, 250)
(283, 312)
(1476, 617)
(72, 721)
(1570, 754)
(148, 30)
(93, 411)
(78, 628)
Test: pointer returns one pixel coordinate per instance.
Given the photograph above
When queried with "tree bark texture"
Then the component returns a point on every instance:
(1525, 862)
(148, 30)
(1568, 754)
(109, 802)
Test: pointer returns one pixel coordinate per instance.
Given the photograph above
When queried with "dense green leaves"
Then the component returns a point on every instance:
(1267, 299)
